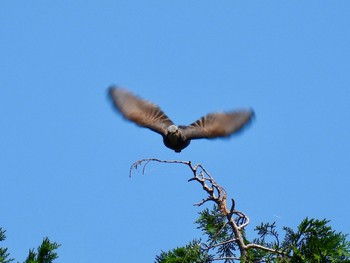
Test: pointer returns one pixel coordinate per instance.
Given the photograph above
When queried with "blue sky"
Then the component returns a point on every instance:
(65, 154)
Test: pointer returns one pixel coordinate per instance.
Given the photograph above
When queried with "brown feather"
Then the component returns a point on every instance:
(142, 112)
(218, 125)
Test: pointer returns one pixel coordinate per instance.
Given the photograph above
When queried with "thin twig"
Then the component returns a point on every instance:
(223, 243)
(226, 258)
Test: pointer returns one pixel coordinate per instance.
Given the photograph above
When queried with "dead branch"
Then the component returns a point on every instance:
(236, 219)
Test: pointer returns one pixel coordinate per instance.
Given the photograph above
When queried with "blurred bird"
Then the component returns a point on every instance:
(149, 115)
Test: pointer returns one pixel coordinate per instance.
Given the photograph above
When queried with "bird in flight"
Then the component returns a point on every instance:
(149, 115)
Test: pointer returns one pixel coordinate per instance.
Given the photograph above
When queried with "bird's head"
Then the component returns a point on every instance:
(173, 131)
(174, 138)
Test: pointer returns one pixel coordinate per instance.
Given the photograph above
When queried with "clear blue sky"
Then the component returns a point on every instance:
(65, 154)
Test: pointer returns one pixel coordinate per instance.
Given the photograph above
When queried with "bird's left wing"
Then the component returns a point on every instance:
(218, 124)
(141, 112)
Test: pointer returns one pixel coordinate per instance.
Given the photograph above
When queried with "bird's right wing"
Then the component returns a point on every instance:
(139, 111)
(218, 124)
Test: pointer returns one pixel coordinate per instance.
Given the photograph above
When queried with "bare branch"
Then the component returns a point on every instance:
(226, 258)
(223, 243)
(237, 220)
(204, 201)
(256, 246)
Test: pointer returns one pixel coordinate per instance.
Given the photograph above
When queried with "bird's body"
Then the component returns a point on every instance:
(175, 139)
(148, 115)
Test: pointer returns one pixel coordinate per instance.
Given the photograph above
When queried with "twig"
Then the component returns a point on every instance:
(223, 243)
(225, 258)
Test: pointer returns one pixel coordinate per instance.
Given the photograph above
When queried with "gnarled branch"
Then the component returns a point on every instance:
(236, 219)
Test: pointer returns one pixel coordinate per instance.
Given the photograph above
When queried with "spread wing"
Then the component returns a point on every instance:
(218, 124)
(139, 111)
